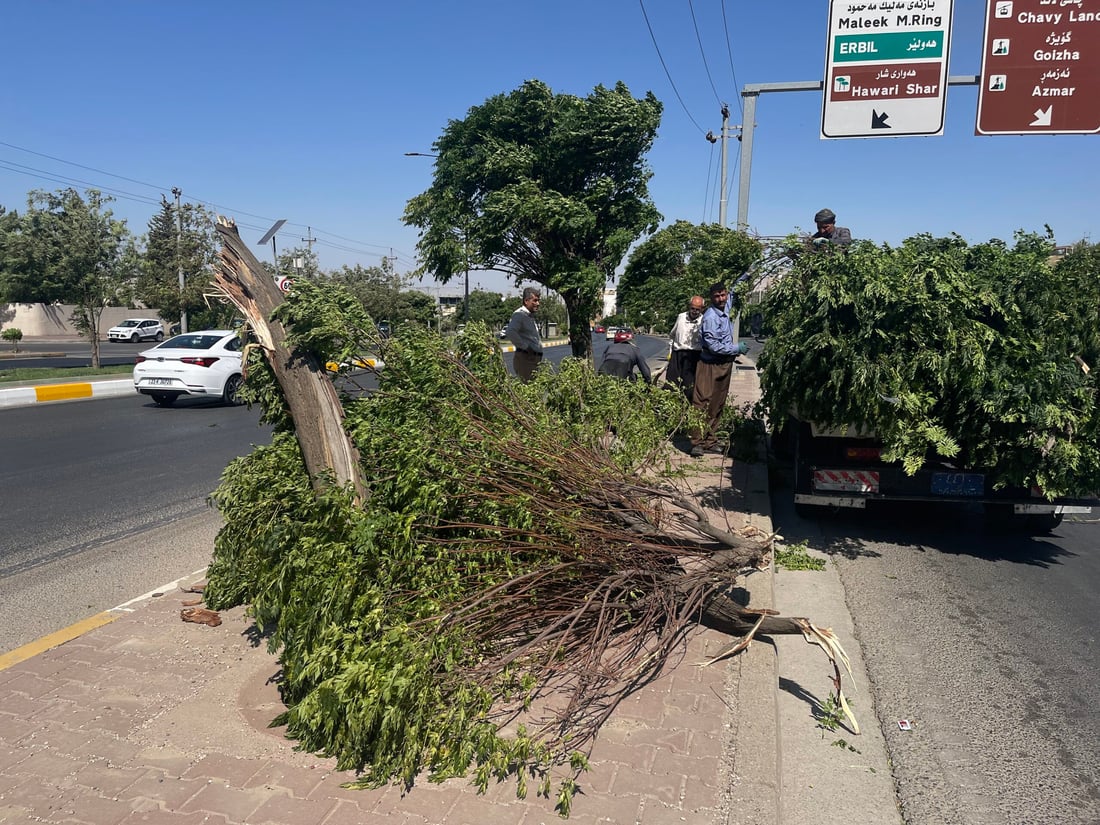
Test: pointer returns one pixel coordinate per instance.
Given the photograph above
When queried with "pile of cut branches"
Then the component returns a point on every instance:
(512, 559)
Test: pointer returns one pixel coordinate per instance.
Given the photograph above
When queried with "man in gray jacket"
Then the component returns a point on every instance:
(523, 331)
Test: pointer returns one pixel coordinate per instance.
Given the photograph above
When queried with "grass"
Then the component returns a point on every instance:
(18, 374)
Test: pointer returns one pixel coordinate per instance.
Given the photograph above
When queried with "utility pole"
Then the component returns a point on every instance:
(723, 197)
(179, 257)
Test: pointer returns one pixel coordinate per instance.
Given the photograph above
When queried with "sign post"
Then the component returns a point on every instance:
(1040, 68)
(886, 68)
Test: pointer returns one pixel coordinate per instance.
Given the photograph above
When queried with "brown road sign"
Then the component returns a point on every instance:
(1040, 68)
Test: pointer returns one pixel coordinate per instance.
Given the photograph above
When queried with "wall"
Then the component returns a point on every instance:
(52, 320)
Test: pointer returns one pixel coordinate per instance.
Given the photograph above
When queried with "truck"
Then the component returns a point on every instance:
(838, 468)
(938, 372)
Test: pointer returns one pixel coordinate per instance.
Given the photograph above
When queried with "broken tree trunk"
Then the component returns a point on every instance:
(328, 453)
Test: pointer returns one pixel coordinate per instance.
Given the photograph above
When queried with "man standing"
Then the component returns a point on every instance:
(712, 377)
(523, 331)
(828, 233)
(684, 339)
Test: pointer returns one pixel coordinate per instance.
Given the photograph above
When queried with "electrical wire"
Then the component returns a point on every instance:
(729, 51)
(703, 54)
(122, 194)
(664, 66)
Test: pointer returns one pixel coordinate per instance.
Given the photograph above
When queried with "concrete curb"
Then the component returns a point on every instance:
(77, 391)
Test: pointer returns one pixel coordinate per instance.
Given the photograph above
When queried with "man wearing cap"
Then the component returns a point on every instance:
(828, 233)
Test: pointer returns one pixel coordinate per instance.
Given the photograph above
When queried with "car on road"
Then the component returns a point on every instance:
(205, 364)
(137, 329)
(612, 330)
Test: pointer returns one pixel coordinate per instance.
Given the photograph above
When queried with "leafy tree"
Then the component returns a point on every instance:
(166, 249)
(69, 250)
(679, 261)
(384, 294)
(549, 188)
(941, 348)
(490, 308)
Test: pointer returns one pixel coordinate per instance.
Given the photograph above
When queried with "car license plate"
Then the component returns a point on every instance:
(161, 382)
(958, 484)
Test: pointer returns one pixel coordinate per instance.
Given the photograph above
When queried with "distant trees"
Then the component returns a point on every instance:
(68, 249)
(167, 249)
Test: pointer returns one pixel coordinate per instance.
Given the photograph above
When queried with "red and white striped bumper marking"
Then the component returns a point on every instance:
(846, 481)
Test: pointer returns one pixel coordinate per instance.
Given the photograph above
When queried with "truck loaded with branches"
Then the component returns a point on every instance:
(938, 371)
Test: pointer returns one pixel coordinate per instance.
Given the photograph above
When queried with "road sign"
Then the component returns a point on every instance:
(284, 283)
(886, 68)
(1040, 68)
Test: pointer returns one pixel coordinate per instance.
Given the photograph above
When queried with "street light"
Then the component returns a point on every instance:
(270, 236)
(465, 251)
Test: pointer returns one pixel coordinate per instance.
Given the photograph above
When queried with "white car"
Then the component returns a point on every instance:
(137, 329)
(205, 364)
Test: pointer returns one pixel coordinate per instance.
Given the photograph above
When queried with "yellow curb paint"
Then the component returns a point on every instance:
(55, 639)
(59, 392)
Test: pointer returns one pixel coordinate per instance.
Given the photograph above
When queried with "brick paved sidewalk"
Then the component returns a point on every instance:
(149, 719)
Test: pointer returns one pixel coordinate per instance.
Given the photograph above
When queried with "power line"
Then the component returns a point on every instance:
(729, 50)
(66, 180)
(702, 53)
(665, 67)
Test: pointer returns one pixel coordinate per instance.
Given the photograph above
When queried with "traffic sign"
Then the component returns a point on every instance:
(1040, 68)
(886, 68)
(284, 283)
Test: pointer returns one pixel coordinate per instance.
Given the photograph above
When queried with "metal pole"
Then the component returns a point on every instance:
(753, 90)
(725, 136)
(179, 258)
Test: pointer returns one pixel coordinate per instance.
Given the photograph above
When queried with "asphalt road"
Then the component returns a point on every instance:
(103, 500)
(986, 643)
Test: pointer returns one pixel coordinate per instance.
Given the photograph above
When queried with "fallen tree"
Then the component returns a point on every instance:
(490, 575)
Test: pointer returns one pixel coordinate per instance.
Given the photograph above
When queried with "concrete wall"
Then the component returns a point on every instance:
(52, 320)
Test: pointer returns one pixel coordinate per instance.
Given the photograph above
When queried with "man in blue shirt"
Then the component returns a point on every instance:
(712, 376)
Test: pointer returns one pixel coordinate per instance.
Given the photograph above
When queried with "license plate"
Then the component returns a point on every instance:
(958, 484)
(160, 382)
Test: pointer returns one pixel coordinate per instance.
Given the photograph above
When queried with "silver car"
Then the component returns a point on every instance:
(205, 364)
(137, 329)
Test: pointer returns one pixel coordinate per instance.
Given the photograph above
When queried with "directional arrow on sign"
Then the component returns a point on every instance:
(1042, 116)
(878, 120)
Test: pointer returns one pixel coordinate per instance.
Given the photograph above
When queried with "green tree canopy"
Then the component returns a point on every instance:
(177, 238)
(70, 250)
(679, 261)
(550, 188)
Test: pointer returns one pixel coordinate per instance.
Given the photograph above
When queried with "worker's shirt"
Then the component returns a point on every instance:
(523, 331)
(620, 360)
(685, 332)
(716, 335)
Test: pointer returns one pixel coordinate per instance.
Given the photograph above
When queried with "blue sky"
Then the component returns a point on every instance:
(304, 111)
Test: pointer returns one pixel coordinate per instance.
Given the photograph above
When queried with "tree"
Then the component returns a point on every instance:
(549, 188)
(490, 308)
(475, 603)
(167, 248)
(383, 294)
(679, 261)
(69, 250)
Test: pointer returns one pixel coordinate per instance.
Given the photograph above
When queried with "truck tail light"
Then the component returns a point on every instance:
(862, 453)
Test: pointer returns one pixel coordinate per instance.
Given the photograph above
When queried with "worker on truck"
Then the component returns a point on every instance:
(828, 233)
